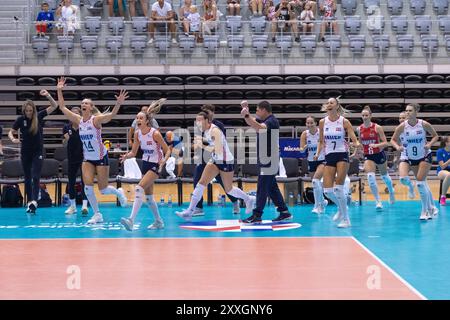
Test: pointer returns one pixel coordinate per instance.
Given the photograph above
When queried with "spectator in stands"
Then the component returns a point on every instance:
(31, 126)
(328, 10)
(269, 10)
(185, 10)
(162, 17)
(443, 169)
(1, 145)
(195, 23)
(234, 7)
(44, 20)
(68, 17)
(284, 17)
(132, 6)
(117, 8)
(307, 19)
(257, 7)
(210, 18)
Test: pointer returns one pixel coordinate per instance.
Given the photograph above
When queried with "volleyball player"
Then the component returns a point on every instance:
(418, 151)
(332, 139)
(198, 211)
(31, 124)
(155, 154)
(222, 162)
(309, 141)
(403, 166)
(374, 140)
(95, 154)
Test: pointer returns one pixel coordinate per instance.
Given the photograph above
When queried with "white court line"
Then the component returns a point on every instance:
(177, 238)
(406, 283)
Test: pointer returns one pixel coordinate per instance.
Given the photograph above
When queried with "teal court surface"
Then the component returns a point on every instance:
(306, 258)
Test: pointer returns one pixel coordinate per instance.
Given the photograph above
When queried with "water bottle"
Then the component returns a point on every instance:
(169, 201)
(219, 200)
(269, 201)
(291, 199)
(224, 201)
(161, 202)
(299, 198)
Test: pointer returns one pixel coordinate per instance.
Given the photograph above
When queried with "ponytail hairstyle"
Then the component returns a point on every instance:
(209, 109)
(368, 109)
(340, 110)
(153, 109)
(34, 120)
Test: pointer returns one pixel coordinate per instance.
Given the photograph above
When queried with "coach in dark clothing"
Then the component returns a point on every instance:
(74, 162)
(267, 128)
(31, 124)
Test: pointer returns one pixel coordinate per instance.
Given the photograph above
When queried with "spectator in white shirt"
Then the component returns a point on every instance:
(194, 22)
(162, 17)
(68, 17)
(307, 19)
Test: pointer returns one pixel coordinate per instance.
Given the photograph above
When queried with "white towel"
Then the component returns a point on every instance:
(132, 170)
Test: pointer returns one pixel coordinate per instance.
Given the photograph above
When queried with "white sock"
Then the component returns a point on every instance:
(196, 196)
(238, 193)
(318, 192)
(373, 185)
(110, 190)
(423, 194)
(153, 207)
(85, 203)
(388, 181)
(89, 191)
(406, 181)
(329, 192)
(138, 199)
(342, 200)
(73, 203)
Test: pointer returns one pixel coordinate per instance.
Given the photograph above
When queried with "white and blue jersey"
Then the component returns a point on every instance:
(225, 156)
(312, 142)
(151, 150)
(91, 138)
(416, 139)
(334, 136)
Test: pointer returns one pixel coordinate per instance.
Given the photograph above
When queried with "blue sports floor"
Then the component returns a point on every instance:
(417, 251)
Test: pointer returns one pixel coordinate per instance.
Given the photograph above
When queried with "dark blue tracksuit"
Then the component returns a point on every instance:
(267, 184)
(200, 167)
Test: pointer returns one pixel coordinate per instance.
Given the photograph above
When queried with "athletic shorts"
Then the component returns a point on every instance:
(427, 158)
(225, 167)
(312, 165)
(147, 166)
(332, 159)
(378, 158)
(102, 162)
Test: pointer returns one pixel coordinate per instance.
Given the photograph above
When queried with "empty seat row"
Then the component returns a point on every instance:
(235, 80)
